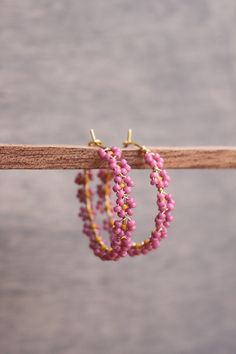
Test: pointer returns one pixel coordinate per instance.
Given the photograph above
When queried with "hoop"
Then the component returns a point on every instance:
(165, 202)
(120, 230)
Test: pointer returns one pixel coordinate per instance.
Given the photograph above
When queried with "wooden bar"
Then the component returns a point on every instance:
(77, 157)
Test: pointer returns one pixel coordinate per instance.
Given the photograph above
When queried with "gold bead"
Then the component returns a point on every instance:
(112, 222)
(124, 227)
(98, 239)
(138, 245)
(104, 247)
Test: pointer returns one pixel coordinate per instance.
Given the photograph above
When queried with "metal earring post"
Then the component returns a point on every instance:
(129, 141)
(95, 141)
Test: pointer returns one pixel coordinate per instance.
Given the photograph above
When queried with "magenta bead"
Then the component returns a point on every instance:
(120, 194)
(118, 179)
(124, 171)
(127, 189)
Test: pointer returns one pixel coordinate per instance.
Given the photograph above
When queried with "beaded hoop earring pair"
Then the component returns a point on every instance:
(118, 221)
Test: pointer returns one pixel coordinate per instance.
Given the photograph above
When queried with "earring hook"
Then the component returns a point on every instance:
(95, 141)
(129, 141)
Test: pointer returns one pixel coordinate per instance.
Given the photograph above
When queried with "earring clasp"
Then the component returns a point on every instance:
(95, 141)
(129, 141)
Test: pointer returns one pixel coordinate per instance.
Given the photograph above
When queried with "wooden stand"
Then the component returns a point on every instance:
(78, 157)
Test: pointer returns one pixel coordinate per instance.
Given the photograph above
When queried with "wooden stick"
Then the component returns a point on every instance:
(77, 157)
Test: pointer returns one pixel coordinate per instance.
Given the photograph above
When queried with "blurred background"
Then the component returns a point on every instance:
(167, 69)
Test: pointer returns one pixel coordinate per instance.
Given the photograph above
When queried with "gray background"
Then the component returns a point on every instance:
(167, 69)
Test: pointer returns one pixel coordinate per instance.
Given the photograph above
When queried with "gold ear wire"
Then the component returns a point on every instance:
(95, 141)
(129, 137)
(129, 141)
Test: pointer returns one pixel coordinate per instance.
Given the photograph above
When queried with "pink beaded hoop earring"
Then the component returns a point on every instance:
(165, 202)
(120, 230)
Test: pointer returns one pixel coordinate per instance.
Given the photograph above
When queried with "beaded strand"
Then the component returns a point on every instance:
(165, 203)
(120, 229)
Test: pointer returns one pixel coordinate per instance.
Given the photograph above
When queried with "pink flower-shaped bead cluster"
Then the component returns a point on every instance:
(165, 203)
(120, 229)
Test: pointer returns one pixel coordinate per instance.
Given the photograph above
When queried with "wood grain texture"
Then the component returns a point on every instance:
(75, 157)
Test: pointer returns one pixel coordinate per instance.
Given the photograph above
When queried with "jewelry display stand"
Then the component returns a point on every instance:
(78, 157)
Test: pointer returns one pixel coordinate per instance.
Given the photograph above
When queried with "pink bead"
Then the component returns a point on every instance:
(107, 157)
(155, 243)
(156, 156)
(116, 151)
(148, 157)
(153, 163)
(160, 163)
(131, 224)
(130, 212)
(163, 173)
(130, 200)
(169, 217)
(155, 235)
(117, 209)
(101, 153)
(116, 187)
(137, 251)
(170, 206)
(165, 184)
(123, 171)
(161, 217)
(113, 166)
(124, 253)
(130, 183)
(127, 243)
(169, 197)
(118, 179)
(127, 189)
(128, 234)
(132, 204)
(163, 234)
(118, 231)
(117, 248)
(116, 171)
(79, 179)
(127, 179)
(117, 223)
(120, 194)
(161, 204)
(121, 202)
(158, 222)
(154, 175)
(123, 162)
(121, 214)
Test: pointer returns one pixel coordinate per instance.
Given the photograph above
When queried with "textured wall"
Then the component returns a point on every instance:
(168, 70)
